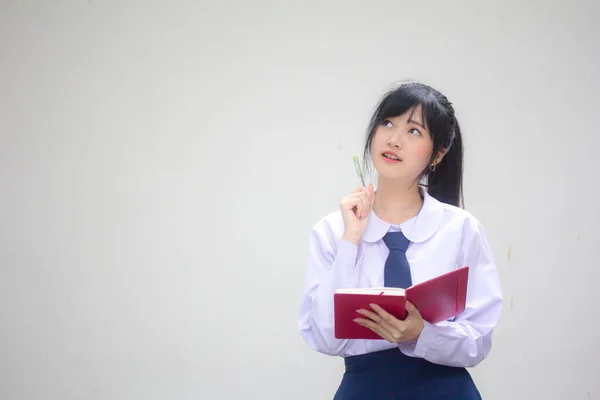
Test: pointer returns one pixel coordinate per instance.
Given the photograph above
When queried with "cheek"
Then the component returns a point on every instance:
(377, 142)
(377, 136)
(422, 152)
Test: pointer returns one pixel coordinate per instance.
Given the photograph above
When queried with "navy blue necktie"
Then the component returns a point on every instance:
(397, 269)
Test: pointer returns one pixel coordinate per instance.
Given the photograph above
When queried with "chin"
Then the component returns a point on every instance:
(393, 177)
(394, 174)
(385, 173)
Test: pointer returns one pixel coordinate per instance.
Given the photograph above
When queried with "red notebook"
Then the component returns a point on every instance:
(437, 299)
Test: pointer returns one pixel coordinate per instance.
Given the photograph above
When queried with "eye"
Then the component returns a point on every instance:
(387, 123)
(415, 131)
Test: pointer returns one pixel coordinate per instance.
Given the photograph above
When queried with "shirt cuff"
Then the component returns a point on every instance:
(427, 337)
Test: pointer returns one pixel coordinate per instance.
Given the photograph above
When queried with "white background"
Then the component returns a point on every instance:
(161, 165)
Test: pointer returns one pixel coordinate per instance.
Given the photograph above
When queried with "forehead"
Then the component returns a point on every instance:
(414, 114)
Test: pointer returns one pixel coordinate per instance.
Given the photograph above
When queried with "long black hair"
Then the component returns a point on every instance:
(444, 181)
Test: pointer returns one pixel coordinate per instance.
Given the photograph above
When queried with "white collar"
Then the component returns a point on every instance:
(417, 229)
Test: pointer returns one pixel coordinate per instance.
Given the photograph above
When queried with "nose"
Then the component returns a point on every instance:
(394, 140)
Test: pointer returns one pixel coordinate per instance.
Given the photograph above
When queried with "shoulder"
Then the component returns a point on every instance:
(468, 233)
(329, 226)
(459, 217)
(460, 222)
(441, 220)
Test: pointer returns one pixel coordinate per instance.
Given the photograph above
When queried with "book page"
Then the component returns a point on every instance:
(383, 291)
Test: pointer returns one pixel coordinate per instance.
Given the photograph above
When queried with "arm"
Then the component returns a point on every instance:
(331, 265)
(467, 340)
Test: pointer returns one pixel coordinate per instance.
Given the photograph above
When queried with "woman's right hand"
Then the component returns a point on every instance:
(356, 209)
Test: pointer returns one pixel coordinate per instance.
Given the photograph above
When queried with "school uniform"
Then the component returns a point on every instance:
(439, 239)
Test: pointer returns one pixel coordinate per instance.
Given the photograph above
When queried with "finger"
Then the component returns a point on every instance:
(365, 203)
(377, 319)
(350, 202)
(411, 309)
(369, 199)
(387, 320)
(351, 205)
(384, 315)
(378, 329)
(360, 189)
(362, 193)
(370, 314)
(361, 205)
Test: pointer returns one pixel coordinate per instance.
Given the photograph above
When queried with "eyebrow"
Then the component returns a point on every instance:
(416, 123)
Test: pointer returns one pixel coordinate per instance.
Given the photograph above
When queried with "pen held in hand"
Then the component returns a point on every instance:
(359, 170)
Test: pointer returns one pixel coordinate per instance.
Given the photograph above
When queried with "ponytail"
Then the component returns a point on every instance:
(445, 181)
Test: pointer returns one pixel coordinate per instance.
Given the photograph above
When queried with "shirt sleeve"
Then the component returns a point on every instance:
(331, 265)
(467, 339)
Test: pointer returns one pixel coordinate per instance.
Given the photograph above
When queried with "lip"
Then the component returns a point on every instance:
(389, 160)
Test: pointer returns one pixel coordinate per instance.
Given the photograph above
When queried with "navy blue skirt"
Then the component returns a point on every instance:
(391, 375)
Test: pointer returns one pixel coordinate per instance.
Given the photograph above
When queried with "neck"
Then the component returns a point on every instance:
(397, 202)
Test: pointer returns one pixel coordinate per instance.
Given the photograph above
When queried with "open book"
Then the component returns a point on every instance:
(437, 299)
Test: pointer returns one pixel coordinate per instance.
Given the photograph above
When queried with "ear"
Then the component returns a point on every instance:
(438, 157)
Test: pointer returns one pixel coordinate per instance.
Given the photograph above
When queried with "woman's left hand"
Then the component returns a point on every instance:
(390, 328)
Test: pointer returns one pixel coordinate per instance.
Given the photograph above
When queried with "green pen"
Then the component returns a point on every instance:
(359, 170)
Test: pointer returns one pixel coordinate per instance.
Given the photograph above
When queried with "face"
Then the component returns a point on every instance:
(402, 146)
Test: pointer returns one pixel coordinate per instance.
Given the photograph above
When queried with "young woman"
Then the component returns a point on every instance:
(414, 142)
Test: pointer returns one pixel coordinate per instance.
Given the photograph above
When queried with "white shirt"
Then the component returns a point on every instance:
(443, 238)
